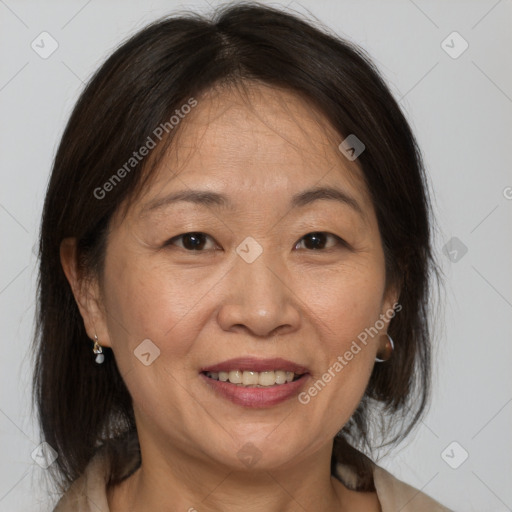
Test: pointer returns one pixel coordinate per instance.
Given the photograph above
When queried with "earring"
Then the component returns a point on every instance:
(100, 357)
(387, 352)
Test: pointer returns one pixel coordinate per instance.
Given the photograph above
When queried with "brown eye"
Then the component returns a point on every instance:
(193, 241)
(317, 240)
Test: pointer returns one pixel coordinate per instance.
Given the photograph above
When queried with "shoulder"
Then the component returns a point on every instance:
(398, 495)
(88, 492)
(393, 493)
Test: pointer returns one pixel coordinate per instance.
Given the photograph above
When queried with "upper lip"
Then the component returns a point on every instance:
(252, 364)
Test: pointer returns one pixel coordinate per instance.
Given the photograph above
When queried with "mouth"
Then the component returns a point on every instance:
(255, 383)
(252, 379)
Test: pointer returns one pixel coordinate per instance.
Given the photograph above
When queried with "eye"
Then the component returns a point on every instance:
(196, 241)
(317, 240)
(193, 241)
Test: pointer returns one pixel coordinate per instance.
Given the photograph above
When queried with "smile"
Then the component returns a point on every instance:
(254, 379)
(255, 396)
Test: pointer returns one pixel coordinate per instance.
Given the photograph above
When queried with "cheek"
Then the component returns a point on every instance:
(146, 303)
(345, 310)
(348, 302)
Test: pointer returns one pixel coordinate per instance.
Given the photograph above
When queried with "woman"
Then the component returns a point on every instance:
(235, 265)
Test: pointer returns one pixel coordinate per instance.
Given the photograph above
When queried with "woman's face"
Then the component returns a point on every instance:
(255, 284)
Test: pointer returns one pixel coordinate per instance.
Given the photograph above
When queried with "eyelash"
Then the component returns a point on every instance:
(339, 241)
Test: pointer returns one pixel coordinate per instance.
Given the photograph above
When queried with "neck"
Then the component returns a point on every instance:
(175, 480)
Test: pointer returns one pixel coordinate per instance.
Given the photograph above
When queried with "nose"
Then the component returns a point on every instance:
(259, 300)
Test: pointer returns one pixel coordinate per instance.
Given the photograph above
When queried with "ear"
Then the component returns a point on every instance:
(390, 304)
(391, 297)
(86, 292)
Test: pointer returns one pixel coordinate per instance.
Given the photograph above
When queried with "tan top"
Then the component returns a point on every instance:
(88, 493)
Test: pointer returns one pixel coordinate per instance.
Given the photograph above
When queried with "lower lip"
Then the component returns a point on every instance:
(256, 397)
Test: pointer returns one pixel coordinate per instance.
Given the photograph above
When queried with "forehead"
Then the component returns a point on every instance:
(233, 125)
(252, 143)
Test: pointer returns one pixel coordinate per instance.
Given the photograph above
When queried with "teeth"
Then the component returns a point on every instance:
(267, 378)
(250, 378)
(235, 376)
(281, 377)
(253, 379)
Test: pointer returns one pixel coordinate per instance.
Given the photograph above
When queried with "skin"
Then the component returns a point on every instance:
(205, 306)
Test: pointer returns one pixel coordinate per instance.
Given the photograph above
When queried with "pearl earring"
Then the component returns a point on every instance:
(100, 357)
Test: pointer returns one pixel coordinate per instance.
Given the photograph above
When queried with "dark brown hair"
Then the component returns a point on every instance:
(82, 405)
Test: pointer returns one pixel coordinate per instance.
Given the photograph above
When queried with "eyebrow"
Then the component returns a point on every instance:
(221, 201)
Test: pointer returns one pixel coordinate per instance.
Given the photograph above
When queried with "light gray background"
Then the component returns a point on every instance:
(460, 110)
